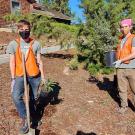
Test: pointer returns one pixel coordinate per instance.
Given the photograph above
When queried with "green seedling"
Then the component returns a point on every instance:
(48, 86)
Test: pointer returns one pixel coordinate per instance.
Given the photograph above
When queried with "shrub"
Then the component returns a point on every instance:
(73, 64)
(65, 34)
(95, 69)
(107, 70)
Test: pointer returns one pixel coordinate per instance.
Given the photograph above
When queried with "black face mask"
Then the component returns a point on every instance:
(24, 34)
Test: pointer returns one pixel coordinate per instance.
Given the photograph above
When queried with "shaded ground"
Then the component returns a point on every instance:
(86, 105)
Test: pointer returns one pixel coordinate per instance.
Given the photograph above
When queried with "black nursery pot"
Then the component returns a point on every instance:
(110, 58)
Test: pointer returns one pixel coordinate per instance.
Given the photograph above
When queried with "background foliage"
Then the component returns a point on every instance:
(92, 38)
(64, 34)
(58, 5)
(101, 28)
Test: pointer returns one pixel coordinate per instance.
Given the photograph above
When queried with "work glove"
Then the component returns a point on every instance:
(12, 84)
(117, 63)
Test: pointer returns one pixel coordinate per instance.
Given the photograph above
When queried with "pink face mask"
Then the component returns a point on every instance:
(126, 22)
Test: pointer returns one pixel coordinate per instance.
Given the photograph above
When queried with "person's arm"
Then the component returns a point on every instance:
(12, 65)
(41, 66)
(11, 51)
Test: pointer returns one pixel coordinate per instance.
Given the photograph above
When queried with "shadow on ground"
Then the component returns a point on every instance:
(82, 133)
(56, 55)
(44, 100)
(107, 85)
(111, 87)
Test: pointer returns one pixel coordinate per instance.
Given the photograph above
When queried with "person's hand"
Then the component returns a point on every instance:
(12, 84)
(117, 63)
(43, 81)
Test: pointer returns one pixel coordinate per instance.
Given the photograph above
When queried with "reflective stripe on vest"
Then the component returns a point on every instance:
(126, 49)
(32, 68)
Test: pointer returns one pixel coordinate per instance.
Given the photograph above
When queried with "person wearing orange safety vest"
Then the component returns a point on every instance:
(125, 63)
(34, 70)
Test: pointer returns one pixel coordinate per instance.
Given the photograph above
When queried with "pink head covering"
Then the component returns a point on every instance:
(126, 22)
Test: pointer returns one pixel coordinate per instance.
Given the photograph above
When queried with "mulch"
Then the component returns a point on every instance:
(83, 107)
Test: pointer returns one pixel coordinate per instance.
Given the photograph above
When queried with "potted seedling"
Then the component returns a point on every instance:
(47, 87)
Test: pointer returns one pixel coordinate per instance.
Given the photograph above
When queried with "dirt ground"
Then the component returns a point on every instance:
(5, 37)
(84, 104)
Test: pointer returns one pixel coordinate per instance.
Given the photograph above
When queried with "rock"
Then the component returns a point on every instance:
(66, 71)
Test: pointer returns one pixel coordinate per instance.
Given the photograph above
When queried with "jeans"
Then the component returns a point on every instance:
(18, 93)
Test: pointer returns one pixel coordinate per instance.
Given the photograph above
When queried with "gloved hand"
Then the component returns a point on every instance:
(12, 84)
(117, 63)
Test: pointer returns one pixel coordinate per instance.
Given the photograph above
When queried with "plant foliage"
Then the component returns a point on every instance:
(48, 86)
(99, 33)
(64, 34)
(58, 5)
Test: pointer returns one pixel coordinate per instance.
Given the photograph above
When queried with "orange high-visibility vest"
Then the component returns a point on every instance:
(32, 68)
(126, 49)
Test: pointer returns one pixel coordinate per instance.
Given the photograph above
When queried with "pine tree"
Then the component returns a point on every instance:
(58, 5)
